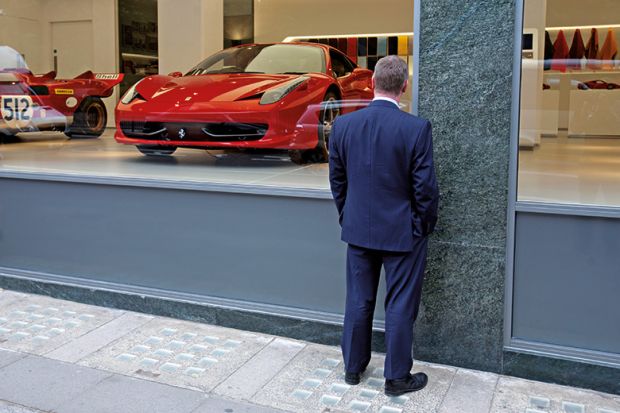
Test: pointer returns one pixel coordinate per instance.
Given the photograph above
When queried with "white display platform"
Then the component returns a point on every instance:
(594, 112)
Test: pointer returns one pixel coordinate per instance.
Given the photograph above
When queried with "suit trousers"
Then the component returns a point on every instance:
(404, 275)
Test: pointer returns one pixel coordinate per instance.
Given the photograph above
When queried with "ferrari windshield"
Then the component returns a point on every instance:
(270, 58)
(11, 59)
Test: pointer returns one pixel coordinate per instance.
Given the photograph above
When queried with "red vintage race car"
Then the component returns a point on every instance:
(33, 103)
(259, 96)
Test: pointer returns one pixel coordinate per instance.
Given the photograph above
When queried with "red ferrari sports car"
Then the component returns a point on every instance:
(259, 96)
(32, 103)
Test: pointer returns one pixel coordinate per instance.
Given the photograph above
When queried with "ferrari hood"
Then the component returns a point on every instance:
(216, 88)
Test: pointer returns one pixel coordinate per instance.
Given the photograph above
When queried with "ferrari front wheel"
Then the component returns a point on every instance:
(89, 120)
(330, 110)
(155, 150)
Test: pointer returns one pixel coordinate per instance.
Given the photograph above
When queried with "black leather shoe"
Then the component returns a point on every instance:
(411, 383)
(353, 378)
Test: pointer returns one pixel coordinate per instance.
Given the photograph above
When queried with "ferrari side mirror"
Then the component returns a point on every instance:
(175, 74)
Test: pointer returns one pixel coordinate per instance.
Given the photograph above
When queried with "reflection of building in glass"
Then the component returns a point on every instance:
(238, 22)
(138, 43)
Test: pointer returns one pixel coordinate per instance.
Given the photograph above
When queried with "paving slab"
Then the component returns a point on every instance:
(99, 338)
(44, 384)
(130, 395)
(181, 353)
(470, 392)
(518, 395)
(6, 407)
(8, 357)
(314, 381)
(37, 324)
(221, 405)
(256, 373)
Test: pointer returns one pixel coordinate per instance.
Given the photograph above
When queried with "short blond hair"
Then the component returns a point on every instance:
(390, 75)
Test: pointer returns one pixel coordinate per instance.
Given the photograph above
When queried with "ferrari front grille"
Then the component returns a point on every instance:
(194, 131)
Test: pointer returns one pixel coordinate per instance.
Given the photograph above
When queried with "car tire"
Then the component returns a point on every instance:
(155, 150)
(328, 114)
(89, 120)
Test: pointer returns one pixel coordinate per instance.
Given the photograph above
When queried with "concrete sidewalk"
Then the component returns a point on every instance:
(60, 356)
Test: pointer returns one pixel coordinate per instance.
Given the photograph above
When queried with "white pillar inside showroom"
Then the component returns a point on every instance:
(188, 31)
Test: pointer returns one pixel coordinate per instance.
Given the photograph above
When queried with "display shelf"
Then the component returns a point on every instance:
(550, 112)
(594, 113)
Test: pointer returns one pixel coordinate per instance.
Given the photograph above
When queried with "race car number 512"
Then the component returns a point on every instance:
(16, 110)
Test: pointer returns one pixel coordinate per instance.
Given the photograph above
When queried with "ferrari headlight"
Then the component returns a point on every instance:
(131, 94)
(277, 93)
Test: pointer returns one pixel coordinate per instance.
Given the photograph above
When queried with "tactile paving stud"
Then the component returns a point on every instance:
(359, 406)
(198, 348)
(148, 362)
(220, 352)
(600, 410)
(40, 339)
(126, 357)
(50, 310)
(162, 352)
(232, 343)
(37, 327)
(212, 339)
(399, 399)
(378, 372)
(140, 349)
(369, 394)
(18, 324)
(86, 317)
(4, 331)
(193, 372)
(374, 382)
(329, 400)
(570, 407)
(72, 323)
(55, 331)
(539, 402)
(339, 389)
(176, 344)
(20, 335)
(3, 320)
(207, 361)
(53, 321)
(184, 357)
(154, 341)
(311, 383)
(301, 394)
(33, 307)
(189, 336)
(69, 313)
(330, 363)
(168, 331)
(35, 317)
(170, 367)
(321, 373)
(387, 409)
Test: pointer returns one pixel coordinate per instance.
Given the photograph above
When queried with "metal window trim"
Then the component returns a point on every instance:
(568, 209)
(241, 189)
(415, 87)
(513, 172)
(580, 355)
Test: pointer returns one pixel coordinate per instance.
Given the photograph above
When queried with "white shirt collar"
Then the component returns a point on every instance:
(387, 99)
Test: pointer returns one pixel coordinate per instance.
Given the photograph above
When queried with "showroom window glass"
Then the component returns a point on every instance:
(229, 92)
(569, 141)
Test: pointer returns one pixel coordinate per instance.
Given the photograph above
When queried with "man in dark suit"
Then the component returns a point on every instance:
(383, 181)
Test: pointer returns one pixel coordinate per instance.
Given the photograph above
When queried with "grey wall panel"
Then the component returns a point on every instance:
(275, 250)
(567, 281)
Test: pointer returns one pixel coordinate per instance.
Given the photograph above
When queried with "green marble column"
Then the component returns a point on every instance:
(466, 50)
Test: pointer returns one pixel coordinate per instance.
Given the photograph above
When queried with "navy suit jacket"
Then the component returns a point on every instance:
(382, 177)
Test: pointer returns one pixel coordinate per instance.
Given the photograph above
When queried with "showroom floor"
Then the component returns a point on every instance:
(54, 153)
(560, 170)
(571, 170)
